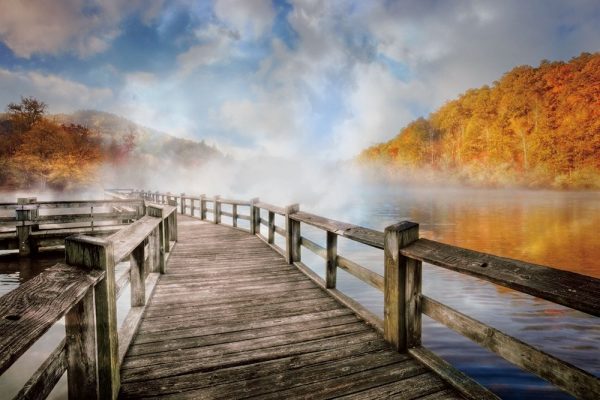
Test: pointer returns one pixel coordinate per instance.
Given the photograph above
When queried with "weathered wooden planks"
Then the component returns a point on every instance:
(30, 310)
(573, 290)
(568, 377)
(233, 319)
(127, 239)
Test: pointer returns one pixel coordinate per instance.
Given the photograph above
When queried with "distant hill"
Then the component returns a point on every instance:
(536, 126)
(87, 149)
(142, 140)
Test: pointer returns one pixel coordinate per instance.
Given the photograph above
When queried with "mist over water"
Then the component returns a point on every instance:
(546, 227)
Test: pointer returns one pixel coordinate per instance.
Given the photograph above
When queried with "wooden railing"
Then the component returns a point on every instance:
(85, 290)
(404, 304)
(37, 224)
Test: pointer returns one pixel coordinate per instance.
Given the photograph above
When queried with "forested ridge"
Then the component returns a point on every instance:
(79, 150)
(536, 127)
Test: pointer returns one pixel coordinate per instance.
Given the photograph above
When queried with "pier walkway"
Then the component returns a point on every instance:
(220, 309)
(232, 319)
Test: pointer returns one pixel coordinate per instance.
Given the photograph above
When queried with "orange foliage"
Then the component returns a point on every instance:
(535, 126)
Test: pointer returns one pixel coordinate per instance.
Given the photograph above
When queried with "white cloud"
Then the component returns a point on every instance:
(251, 18)
(60, 94)
(379, 105)
(60, 26)
(215, 46)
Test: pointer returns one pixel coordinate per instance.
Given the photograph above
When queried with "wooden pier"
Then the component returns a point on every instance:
(223, 312)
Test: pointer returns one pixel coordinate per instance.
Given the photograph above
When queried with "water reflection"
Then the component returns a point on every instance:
(550, 228)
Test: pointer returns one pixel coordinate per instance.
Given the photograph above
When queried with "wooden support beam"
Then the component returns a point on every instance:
(402, 311)
(234, 215)
(217, 210)
(137, 276)
(24, 216)
(331, 273)
(290, 240)
(183, 206)
(97, 253)
(271, 228)
(292, 236)
(174, 231)
(254, 216)
(154, 211)
(202, 206)
(81, 349)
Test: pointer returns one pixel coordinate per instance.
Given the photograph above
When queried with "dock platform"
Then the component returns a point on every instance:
(231, 319)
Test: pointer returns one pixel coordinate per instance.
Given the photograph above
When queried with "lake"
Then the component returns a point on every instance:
(545, 227)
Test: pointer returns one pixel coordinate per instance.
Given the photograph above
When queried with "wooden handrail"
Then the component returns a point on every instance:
(401, 284)
(569, 289)
(28, 311)
(84, 291)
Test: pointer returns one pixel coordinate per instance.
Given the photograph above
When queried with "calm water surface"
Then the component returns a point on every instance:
(551, 228)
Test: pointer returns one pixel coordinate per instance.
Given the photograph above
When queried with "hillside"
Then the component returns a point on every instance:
(536, 127)
(86, 148)
(143, 141)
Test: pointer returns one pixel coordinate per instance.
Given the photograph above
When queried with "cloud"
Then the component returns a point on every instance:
(215, 46)
(378, 106)
(251, 18)
(60, 94)
(305, 77)
(80, 27)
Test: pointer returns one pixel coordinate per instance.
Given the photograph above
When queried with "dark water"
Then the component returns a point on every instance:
(552, 228)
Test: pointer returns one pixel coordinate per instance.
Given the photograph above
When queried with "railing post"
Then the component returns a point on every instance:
(203, 207)
(162, 257)
(234, 214)
(217, 210)
(192, 207)
(174, 232)
(97, 253)
(271, 234)
(80, 340)
(137, 275)
(254, 211)
(183, 204)
(292, 237)
(24, 225)
(331, 273)
(402, 294)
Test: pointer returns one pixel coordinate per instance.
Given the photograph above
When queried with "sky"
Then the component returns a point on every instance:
(314, 79)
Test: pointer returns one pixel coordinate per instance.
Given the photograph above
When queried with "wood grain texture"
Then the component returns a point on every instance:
(398, 286)
(364, 274)
(569, 289)
(89, 254)
(28, 311)
(563, 375)
(81, 349)
(233, 319)
(128, 238)
(46, 376)
(458, 380)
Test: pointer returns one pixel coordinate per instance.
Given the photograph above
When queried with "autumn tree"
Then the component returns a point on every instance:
(535, 126)
(27, 113)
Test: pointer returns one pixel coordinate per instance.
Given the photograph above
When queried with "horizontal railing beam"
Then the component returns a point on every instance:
(563, 375)
(29, 310)
(566, 288)
(362, 273)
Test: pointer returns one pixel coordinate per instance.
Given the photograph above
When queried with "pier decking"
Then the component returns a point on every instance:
(225, 311)
(231, 319)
